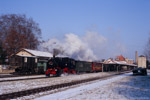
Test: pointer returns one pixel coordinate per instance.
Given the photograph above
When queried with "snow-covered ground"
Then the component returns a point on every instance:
(15, 86)
(123, 87)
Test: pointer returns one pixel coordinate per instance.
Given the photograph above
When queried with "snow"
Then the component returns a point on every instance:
(39, 53)
(123, 87)
(14, 86)
(79, 90)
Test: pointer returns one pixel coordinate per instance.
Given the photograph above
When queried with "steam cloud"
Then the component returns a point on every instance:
(92, 46)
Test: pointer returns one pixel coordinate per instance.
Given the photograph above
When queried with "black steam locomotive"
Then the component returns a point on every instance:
(58, 65)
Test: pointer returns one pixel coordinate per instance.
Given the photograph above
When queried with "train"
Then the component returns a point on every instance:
(28, 61)
(56, 66)
(61, 65)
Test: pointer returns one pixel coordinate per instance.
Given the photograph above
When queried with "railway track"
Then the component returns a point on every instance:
(15, 75)
(7, 76)
(48, 88)
(9, 80)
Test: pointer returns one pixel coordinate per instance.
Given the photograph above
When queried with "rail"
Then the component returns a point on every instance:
(48, 88)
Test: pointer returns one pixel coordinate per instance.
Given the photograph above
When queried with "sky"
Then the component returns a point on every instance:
(123, 25)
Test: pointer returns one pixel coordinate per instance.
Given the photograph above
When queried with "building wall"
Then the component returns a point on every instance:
(1, 68)
(130, 62)
(142, 62)
(24, 53)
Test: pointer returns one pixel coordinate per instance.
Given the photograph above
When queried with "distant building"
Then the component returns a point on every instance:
(129, 61)
(120, 63)
(120, 58)
(142, 61)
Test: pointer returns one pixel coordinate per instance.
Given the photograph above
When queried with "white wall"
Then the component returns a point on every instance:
(1, 68)
(142, 62)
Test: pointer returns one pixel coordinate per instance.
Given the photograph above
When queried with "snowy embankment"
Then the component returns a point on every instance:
(15, 86)
(123, 87)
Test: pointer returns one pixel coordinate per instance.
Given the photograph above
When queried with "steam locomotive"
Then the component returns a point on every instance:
(59, 65)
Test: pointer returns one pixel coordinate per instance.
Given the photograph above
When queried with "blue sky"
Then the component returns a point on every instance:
(126, 21)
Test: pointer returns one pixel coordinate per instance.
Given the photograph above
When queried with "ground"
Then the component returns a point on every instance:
(124, 87)
(15, 86)
(129, 88)
(121, 87)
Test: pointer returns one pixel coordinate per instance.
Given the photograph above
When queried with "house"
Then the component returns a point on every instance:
(30, 60)
(142, 61)
(33, 53)
(120, 58)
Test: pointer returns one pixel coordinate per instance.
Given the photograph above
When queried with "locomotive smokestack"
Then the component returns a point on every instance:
(136, 57)
(55, 52)
(53, 55)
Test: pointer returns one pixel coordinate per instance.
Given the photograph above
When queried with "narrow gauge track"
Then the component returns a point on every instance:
(7, 76)
(48, 88)
(15, 75)
(9, 80)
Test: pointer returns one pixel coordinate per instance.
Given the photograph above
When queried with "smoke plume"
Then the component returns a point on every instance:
(74, 46)
(92, 46)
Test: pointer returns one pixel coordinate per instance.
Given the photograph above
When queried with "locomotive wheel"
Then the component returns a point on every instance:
(58, 73)
(48, 75)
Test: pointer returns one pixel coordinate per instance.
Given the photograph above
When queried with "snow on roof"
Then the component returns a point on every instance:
(39, 53)
(141, 56)
(118, 62)
(111, 62)
(59, 55)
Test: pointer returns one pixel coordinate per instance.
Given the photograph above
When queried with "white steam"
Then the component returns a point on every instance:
(90, 47)
(74, 46)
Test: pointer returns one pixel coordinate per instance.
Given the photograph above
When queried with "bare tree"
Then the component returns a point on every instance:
(17, 31)
(147, 49)
(2, 55)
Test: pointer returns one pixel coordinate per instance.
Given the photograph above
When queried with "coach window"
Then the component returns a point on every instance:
(35, 60)
(25, 59)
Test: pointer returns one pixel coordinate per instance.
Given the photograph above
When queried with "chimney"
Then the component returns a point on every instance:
(136, 57)
(54, 53)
